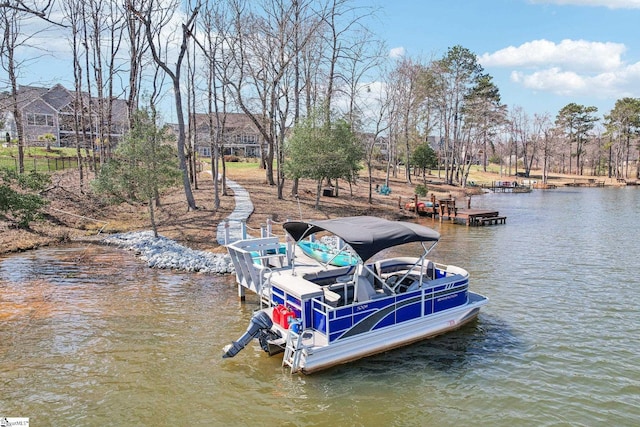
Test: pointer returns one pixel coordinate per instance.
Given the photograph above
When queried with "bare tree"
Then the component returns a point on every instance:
(104, 34)
(409, 85)
(37, 8)
(192, 129)
(265, 44)
(309, 74)
(12, 14)
(138, 46)
(219, 68)
(74, 19)
(153, 19)
(12, 39)
(520, 133)
(382, 125)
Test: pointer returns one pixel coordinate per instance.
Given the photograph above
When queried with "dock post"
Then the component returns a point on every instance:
(433, 206)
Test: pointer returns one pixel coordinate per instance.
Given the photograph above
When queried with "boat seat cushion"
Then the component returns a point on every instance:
(331, 298)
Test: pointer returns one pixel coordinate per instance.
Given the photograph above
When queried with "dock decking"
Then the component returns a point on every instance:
(446, 209)
(475, 217)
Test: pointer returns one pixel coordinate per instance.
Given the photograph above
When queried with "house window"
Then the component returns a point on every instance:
(249, 139)
(34, 119)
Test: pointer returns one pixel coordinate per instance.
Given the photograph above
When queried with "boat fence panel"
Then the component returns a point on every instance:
(250, 258)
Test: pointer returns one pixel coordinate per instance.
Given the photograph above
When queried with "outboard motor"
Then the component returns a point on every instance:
(260, 322)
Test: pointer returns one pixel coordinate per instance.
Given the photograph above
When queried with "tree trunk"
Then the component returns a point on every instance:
(152, 218)
(318, 191)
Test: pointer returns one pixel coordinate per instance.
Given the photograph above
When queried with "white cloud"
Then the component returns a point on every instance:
(551, 80)
(611, 4)
(570, 68)
(611, 84)
(397, 52)
(582, 54)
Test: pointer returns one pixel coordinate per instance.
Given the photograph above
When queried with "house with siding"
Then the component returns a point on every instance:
(53, 111)
(240, 136)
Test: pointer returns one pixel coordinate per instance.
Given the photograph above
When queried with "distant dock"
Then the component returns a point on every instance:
(508, 187)
(446, 210)
(475, 217)
(589, 182)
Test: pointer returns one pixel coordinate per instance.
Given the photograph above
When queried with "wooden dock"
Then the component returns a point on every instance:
(508, 187)
(446, 209)
(475, 217)
(589, 182)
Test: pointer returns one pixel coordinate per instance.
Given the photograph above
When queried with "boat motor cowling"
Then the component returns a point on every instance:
(259, 322)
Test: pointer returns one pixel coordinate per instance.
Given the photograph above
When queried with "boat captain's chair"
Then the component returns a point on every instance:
(365, 290)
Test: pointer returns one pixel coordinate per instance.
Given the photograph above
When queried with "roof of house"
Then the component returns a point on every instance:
(57, 97)
(231, 121)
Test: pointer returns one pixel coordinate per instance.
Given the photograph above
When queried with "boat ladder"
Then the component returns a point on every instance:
(293, 350)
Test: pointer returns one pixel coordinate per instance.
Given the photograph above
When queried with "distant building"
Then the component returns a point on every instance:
(380, 145)
(52, 111)
(241, 137)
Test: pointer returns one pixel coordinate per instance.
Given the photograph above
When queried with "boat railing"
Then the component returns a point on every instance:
(265, 289)
(449, 290)
(251, 260)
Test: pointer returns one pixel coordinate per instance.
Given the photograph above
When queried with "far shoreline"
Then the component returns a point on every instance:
(197, 229)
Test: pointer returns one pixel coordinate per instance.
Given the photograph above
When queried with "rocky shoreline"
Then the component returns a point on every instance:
(165, 253)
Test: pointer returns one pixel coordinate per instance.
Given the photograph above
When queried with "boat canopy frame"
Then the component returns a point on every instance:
(366, 235)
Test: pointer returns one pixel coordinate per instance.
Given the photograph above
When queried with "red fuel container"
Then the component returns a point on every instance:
(278, 312)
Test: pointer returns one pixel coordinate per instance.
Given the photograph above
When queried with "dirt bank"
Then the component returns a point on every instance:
(76, 214)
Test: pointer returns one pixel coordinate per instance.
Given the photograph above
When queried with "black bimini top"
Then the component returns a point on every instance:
(366, 235)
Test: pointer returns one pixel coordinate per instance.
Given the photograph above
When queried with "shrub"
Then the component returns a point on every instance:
(421, 190)
(19, 201)
(230, 158)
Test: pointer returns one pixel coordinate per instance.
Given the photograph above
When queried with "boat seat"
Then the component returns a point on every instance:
(344, 291)
(416, 285)
(331, 298)
(365, 290)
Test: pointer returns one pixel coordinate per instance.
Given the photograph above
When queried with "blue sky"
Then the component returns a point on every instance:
(542, 54)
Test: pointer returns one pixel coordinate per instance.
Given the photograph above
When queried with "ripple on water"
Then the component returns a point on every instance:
(90, 335)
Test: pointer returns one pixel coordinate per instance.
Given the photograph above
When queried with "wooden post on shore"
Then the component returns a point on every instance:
(415, 204)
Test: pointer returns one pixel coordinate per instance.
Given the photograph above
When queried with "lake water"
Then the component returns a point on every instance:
(90, 336)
